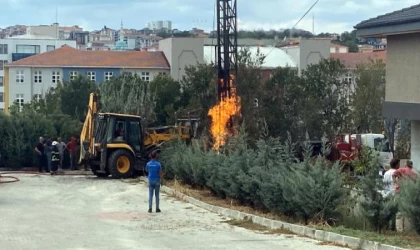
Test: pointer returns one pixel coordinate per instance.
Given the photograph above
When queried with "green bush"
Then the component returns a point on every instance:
(377, 209)
(409, 202)
(265, 177)
(19, 134)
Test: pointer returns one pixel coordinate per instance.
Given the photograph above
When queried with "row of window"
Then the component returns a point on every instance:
(22, 48)
(145, 76)
(20, 76)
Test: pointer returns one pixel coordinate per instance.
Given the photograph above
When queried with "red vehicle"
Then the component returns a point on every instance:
(345, 149)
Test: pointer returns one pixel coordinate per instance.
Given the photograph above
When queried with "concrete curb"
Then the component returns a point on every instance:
(320, 235)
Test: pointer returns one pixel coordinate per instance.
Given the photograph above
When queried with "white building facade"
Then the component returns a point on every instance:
(19, 47)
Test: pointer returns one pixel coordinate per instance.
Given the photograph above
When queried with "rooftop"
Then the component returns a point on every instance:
(334, 45)
(32, 37)
(351, 60)
(404, 16)
(67, 56)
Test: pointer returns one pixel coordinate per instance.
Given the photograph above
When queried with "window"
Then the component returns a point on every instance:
(348, 79)
(19, 101)
(145, 76)
(108, 76)
(50, 47)
(119, 133)
(2, 64)
(20, 77)
(3, 49)
(37, 97)
(38, 77)
(92, 76)
(31, 49)
(1, 81)
(73, 75)
(1, 97)
(55, 76)
(134, 135)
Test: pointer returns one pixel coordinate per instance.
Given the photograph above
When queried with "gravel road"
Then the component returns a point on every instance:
(84, 212)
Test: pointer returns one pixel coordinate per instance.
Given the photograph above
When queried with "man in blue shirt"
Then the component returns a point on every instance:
(154, 170)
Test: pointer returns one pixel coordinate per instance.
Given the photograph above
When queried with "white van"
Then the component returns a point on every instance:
(381, 144)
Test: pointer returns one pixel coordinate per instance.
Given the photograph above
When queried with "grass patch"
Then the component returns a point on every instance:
(248, 224)
(330, 243)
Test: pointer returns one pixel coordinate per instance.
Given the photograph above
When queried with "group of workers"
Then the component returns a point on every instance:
(50, 153)
(395, 174)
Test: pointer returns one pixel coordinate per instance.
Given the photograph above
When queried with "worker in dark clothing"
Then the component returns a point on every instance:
(55, 158)
(48, 150)
(42, 160)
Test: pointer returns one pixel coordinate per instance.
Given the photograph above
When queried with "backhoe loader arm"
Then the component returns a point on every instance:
(86, 136)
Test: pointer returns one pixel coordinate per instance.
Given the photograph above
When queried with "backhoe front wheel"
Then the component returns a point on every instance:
(121, 164)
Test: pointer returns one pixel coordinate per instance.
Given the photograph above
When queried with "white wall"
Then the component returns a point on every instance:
(44, 30)
(29, 88)
(182, 52)
(43, 43)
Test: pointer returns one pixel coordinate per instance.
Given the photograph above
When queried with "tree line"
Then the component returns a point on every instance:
(316, 102)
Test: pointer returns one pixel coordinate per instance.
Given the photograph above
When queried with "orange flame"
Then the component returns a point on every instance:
(221, 114)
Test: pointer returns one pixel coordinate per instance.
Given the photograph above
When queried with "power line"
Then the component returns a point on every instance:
(294, 26)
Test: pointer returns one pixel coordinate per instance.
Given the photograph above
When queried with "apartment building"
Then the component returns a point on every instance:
(53, 30)
(33, 76)
(160, 25)
(19, 47)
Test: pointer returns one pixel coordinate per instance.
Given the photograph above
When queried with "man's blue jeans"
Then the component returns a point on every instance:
(154, 187)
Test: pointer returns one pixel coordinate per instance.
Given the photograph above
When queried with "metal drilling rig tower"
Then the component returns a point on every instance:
(227, 48)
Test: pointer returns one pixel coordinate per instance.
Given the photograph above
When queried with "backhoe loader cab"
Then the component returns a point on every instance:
(118, 145)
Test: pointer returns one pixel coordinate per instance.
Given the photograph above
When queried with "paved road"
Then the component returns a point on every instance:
(71, 212)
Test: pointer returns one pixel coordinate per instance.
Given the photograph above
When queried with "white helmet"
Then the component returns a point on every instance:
(54, 143)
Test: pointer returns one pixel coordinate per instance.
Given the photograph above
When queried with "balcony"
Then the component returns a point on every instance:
(18, 56)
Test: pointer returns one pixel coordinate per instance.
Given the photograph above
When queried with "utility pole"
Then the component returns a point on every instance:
(313, 23)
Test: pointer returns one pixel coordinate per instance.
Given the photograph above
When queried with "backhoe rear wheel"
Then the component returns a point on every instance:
(121, 164)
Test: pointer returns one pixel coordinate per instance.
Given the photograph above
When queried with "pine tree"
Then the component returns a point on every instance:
(377, 209)
(409, 202)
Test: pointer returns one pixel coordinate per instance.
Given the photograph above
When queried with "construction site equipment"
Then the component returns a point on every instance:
(227, 48)
(118, 145)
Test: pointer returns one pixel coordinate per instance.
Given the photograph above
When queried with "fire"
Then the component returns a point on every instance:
(221, 114)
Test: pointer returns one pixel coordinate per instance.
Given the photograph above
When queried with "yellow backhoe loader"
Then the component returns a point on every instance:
(118, 145)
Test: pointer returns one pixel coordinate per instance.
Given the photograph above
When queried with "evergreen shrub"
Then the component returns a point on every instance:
(19, 135)
(267, 176)
(409, 202)
(377, 209)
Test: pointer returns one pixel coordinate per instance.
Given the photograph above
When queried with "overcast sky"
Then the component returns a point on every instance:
(330, 15)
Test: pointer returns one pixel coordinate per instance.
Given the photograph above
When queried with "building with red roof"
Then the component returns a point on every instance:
(32, 76)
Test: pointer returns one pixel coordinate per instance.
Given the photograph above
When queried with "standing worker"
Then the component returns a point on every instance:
(55, 158)
(61, 146)
(40, 150)
(71, 147)
(154, 170)
(48, 150)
